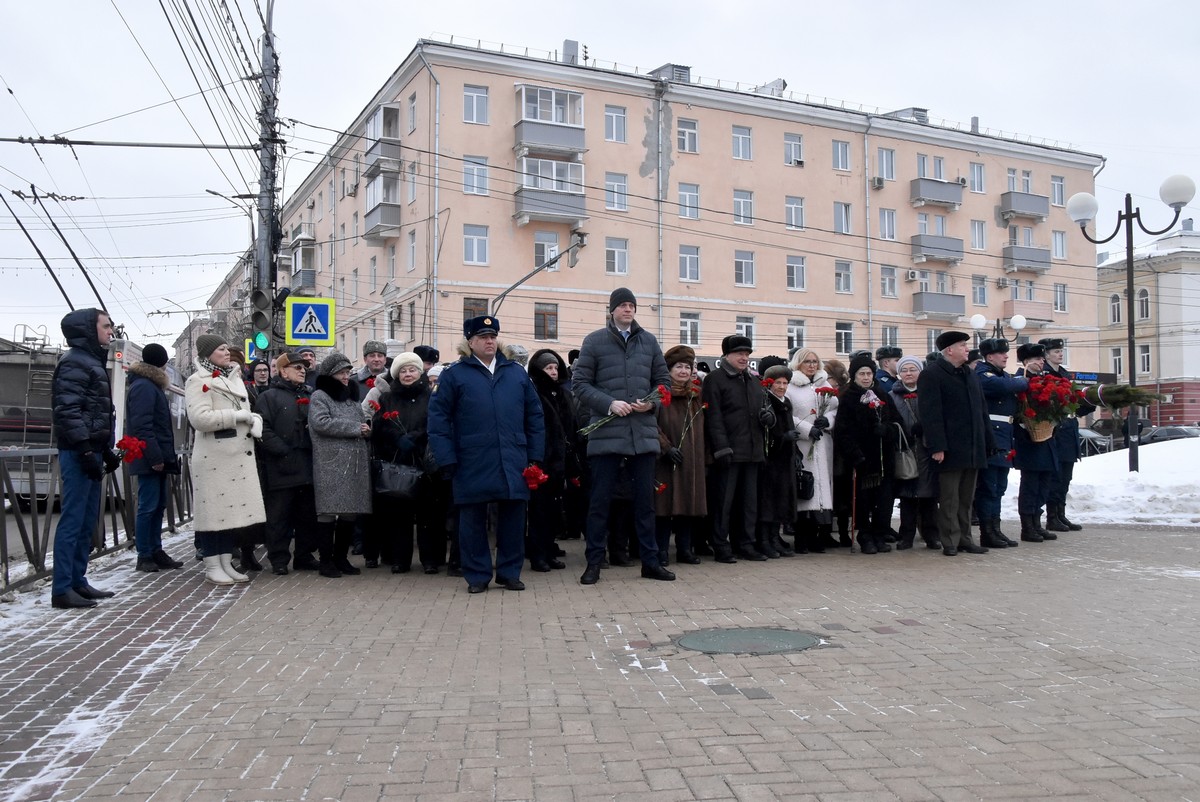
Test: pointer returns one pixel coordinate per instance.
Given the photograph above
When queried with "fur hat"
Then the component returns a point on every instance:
(332, 364)
(619, 296)
(427, 353)
(768, 362)
(435, 371)
(154, 354)
(483, 324)
(778, 372)
(862, 361)
(1051, 343)
(374, 347)
(1030, 351)
(736, 342)
(888, 352)
(207, 343)
(949, 338)
(679, 353)
(993, 345)
(407, 358)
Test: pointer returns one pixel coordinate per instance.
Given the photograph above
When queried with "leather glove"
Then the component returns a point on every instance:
(243, 416)
(815, 434)
(821, 423)
(675, 455)
(111, 460)
(766, 417)
(256, 426)
(92, 465)
(793, 435)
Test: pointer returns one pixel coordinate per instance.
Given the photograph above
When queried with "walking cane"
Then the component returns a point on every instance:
(853, 506)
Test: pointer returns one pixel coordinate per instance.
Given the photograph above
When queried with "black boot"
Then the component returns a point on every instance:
(780, 545)
(248, 561)
(988, 537)
(1037, 526)
(343, 536)
(1029, 530)
(1008, 541)
(1053, 522)
(764, 543)
(1062, 516)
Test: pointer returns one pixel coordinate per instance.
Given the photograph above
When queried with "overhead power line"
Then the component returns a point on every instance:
(71, 143)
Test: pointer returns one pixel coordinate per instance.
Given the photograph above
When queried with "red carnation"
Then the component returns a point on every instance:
(575, 481)
(373, 405)
(1029, 413)
(665, 395)
(391, 415)
(534, 477)
(204, 388)
(660, 488)
(370, 383)
(1012, 453)
(216, 374)
(302, 402)
(767, 382)
(910, 396)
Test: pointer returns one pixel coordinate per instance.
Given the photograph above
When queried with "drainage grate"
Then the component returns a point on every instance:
(747, 640)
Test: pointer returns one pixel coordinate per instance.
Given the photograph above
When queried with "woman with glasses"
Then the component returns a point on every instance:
(814, 407)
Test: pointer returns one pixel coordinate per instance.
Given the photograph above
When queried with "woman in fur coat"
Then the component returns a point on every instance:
(546, 512)
(683, 503)
(777, 479)
(814, 406)
(341, 463)
(228, 496)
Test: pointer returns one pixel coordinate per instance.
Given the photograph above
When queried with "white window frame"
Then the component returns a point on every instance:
(545, 248)
(743, 207)
(796, 272)
(743, 143)
(1142, 303)
(793, 149)
(841, 155)
(979, 290)
(842, 217)
(412, 112)
(1115, 360)
(616, 192)
(689, 328)
(544, 104)
(412, 250)
(887, 224)
(843, 337)
(412, 181)
(978, 179)
(886, 164)
(552, 175)
(889, 285)
(392, 261)
(616, 256)
(889, 335)
(475, 244)
(797, 329)
(475, 175)
(1058, 244)
(793, 212)
(689, 201)
(744, 325)
(475, 104)
(743, 268)
(687, 136)
(843, 276)
(1114, 309)
(1058, 190)
(614, 124)
(689, 263)
(1144, 359)
(979, 235)
(1060, 298)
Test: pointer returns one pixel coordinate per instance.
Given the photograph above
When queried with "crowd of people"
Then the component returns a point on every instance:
(621, 444)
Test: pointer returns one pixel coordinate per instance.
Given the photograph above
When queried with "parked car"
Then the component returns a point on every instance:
(1163, 433)
(1091, 443)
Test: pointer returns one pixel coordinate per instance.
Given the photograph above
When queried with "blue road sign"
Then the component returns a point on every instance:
(309, 321)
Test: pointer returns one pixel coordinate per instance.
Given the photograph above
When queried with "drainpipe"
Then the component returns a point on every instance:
(660, 90)
(867, 224)
(437, 188)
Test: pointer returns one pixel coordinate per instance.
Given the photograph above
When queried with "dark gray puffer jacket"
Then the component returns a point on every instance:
(81, 393)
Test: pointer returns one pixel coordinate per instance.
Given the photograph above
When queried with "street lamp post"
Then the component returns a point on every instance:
(979, 322)
(1176, 192)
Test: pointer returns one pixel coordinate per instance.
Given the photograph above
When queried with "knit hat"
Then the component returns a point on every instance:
(435, 371)
(427, 353)
(619, 296)
(332, 364)
(407, 358)
(154, 354)
(306, 349)
(543, 359)
(736, 342)
(910, 360)
(374, 347)
(207, 343)
(778, 372)
(680, 353)
(949, 338)
(861, 361)
(517, 353)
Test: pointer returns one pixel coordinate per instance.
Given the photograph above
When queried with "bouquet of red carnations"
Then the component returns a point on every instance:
(659, 393)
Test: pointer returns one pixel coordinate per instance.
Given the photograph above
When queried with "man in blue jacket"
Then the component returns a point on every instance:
(81, 396)
(1000, 392)
(148, 418)
(485, 428)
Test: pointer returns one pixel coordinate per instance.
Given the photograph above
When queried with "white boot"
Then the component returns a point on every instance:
(214, 573)
(227, 567)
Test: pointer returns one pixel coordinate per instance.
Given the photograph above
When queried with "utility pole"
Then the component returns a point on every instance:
(264, 247)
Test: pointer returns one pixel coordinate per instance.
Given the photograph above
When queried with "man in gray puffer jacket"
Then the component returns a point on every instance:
(619, 366)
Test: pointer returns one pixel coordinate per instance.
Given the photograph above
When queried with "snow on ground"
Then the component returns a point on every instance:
(1164, 491)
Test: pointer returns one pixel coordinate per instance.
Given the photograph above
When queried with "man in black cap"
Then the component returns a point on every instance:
(1000, 392)
(733, 431)
(148, 418)
(485, 428)
(886, 357)
(1037, 461)
(1066, 443)
(619, 366)
(958, 436)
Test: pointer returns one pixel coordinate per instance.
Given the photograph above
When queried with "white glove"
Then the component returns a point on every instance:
(243, 416)
(256, 426)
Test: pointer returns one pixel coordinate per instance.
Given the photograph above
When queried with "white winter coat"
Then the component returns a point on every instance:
(802, 393)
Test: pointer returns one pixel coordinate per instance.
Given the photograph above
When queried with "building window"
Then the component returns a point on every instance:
(412, 181)
(922, 223)
(977, 182)
(841, 217)
(616, 256)
(979, 235)
(1011, 174)
(343, 175)
(545, 321)
(541, 104)
(689, 263)
(342, 292)
(1060, 297)
(475, 105)
(922, 166)
(887, 223)
(1058, 190)
(412, 250)
(689, 328)
(1114, 355)
(475, 175)
(793, 149)
(795, 334)
(1143, 359)
(374, 267)
(616, 192)
(1027, 181)
(793, 212)
(614, 123)
(887, 164)
(922, 281)
(939, 168)
(382, 189)
(354, 228)
(474, 307)
(1143, 304)
(843, 278)
(320, 205)
(475, 245)
(392, 261)
(1059, 244)
(743, 268)
(890, 335)
(342, 237)
(941, 282)
(931, 336)
(939, 225)
(979, 290)
(742, 144)
(843, 337)
(689, 201)
(841, 155)
(743, 207)
(412, 112)
(354, 286)
(887, 282)
(689, 136)
(545, 247)
(744, 325)
(552, 175)
(1114, 310)
(797, 275)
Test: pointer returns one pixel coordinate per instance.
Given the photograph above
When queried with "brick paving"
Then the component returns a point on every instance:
(1062, 670)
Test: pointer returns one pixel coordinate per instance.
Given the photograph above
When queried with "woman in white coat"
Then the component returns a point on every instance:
(227, 494)
(814, 408)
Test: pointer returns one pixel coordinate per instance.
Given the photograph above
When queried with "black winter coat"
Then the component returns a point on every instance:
(863, 436)
(285, 451)
(81, 394)
(558, 410)
(777, 479)
(731, 425)
(954, 416)
(148, 418)
(403, 438)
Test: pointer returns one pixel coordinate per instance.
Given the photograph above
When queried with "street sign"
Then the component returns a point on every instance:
(251, 352)
(309, 321)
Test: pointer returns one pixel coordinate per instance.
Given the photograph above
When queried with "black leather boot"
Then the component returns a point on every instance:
(1029, 530)
(343, 536)
(1041, 530)
(1053, 522)
(1062, 516)
(988, 537)
(1000, 534)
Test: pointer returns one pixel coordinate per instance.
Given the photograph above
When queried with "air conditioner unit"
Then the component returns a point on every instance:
(352, 189)
(311, 204)
(962, 181)
(1002, 283)
(877, 182)
(394, 313)
(912, 275)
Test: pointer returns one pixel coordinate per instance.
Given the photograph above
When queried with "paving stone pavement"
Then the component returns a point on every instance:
(1063, 670)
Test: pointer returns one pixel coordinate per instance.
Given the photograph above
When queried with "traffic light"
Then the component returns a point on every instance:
(261, 319)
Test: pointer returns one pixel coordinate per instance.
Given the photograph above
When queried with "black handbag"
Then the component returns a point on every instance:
(806, 483)
(395, 481)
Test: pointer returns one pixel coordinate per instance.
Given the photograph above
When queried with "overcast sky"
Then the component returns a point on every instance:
(1101, 76)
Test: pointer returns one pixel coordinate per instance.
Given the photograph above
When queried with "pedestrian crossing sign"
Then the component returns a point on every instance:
(310, 321)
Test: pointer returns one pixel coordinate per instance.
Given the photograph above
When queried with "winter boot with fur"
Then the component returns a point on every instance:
(214, 573)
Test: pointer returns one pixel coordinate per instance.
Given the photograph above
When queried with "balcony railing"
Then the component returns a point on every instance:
(304, 282)
(382, 222)
(1034, 311)
(935, 248)
(534, 138)
(931, 191)
(302, 234)
(1026, 257)
(938, 305)
(383, 156)
(1024, 204)
(550, 207)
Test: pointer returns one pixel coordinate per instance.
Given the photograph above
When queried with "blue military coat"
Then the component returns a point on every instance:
(1000, 394)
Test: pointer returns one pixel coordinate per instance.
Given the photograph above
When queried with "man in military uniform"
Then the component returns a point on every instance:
(886, 356)
(1066, 444)
(1037, 462)
(1000, 392)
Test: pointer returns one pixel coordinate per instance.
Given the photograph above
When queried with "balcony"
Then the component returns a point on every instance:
(304, 282)
(935, 248)
(548, 206)
(1026, 257)
(938, 305)
(549, 139)
(933, 192)
(1039, 313)
(302, 234)
(381, 223)
(383, 156)
(1024, 204)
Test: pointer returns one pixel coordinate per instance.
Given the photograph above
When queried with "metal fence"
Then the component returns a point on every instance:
(31, 486)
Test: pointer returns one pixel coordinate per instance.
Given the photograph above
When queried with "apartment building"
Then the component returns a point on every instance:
(725, 209)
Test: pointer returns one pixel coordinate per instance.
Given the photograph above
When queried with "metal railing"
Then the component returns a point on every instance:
(31, 485)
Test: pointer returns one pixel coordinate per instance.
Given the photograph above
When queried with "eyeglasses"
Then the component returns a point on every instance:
(811, 362)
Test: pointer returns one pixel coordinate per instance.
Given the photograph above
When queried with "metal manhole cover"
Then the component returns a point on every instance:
(747, 640)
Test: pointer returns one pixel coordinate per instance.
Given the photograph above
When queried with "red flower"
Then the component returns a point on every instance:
(373, 405)
(204, 388)
(130, 448)
(767, 382)
(302, 402)
(665, 395)
(391, 415)
(1009, 456)
(216, 374)
(575, 482)
(1030, 413)
(370, 383)
(534, 477)
(660, 488)
(909, 396)
(704, 405)
(825, 391)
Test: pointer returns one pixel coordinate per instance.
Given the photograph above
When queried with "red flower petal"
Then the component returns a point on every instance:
(204, 388)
